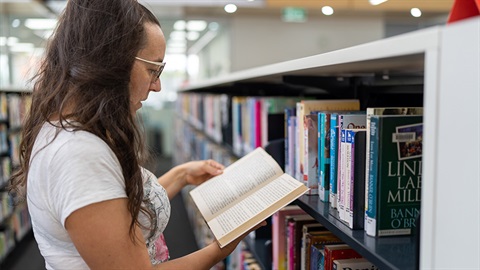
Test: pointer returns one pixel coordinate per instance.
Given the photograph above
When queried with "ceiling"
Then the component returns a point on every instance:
(170, 11)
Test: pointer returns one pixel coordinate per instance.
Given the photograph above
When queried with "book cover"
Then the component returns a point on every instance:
(311, 153)
(279, 235)
(248, 192)
(381, 111)
(337, 252)
(305, 107)
(394, 182)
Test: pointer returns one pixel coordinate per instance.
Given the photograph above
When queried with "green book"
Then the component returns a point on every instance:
(394, 184)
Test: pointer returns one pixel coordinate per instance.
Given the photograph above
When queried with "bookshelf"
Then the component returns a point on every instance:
(440, 67)
(14, 220)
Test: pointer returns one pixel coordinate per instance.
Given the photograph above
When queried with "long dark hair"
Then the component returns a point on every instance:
(84, 77)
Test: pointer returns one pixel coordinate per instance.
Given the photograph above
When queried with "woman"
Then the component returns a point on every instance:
(91, 203)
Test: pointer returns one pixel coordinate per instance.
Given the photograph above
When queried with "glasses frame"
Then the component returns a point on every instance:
(156, 74)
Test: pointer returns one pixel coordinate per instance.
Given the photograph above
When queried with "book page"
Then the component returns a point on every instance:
(255, 208)
(239, 179)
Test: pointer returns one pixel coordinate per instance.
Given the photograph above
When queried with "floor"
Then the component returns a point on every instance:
(178, 234)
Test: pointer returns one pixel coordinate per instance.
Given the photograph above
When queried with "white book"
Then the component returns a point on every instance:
(248, 192)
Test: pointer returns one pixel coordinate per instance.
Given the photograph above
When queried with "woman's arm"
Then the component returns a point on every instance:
(190, 173)
(100, 233)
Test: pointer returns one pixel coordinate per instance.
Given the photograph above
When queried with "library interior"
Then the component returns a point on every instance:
(361, 101)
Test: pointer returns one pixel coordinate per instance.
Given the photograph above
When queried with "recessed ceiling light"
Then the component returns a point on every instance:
(179, 25)
(327, 10)
(40, 24)
(196, 25)
(193, 35)
(178, 35)
(416, 12)
(230, 8)
(377, 2)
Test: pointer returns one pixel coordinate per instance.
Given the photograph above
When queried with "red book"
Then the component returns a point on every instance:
(337, 252)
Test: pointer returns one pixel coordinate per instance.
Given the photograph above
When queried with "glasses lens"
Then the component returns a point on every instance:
(158, 73)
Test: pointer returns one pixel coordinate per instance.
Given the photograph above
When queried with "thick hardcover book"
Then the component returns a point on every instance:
(382, 111)
(305, 107)
(337, 252)
(394, 184)
(279, 235)
(248, 192)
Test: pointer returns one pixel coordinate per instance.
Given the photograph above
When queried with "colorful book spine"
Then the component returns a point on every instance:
(324, 156)
(288, 112)
(333, 160)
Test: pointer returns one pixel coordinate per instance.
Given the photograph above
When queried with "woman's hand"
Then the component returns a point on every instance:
(198, 172)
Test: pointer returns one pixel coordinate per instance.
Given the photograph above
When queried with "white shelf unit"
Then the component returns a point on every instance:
(448, 57)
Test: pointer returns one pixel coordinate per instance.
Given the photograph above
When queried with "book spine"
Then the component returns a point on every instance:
(349, 176)
(287, 114)
(298, 139)
(324, 156)
(370, 222)
(333, 160)
(291, 144)
(258, 124)
(342, 175)
(369, 113)
(359, 164)
(311, 155)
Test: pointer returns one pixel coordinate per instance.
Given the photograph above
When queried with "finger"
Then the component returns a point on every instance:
(214, 167)
(215, 164)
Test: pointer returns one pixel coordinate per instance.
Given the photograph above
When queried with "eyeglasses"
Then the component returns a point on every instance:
(155, 73)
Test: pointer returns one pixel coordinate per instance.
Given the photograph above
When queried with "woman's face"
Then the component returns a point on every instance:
(141, 78)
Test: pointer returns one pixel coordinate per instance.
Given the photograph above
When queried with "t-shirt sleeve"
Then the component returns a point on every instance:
(86, 171)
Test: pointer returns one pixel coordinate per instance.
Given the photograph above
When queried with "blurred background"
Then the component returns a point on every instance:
(208, 38)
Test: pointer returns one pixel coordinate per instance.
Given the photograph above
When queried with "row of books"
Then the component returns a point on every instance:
(301, 243)
(13, 107)
(241, 122)
(365, 164)
(317, 134)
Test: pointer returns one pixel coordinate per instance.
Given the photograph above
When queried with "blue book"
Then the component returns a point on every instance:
(324, 155)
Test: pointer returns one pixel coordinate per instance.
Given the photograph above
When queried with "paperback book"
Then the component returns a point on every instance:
(248, 192)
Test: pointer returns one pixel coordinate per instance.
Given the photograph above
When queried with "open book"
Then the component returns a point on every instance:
(248, 192)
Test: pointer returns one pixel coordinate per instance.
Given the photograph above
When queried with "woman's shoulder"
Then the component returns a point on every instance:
(70, 141)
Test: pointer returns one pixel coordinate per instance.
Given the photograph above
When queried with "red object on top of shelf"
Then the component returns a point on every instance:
(463, 9)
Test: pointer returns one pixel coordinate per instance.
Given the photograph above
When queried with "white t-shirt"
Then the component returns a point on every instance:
(73, 171)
